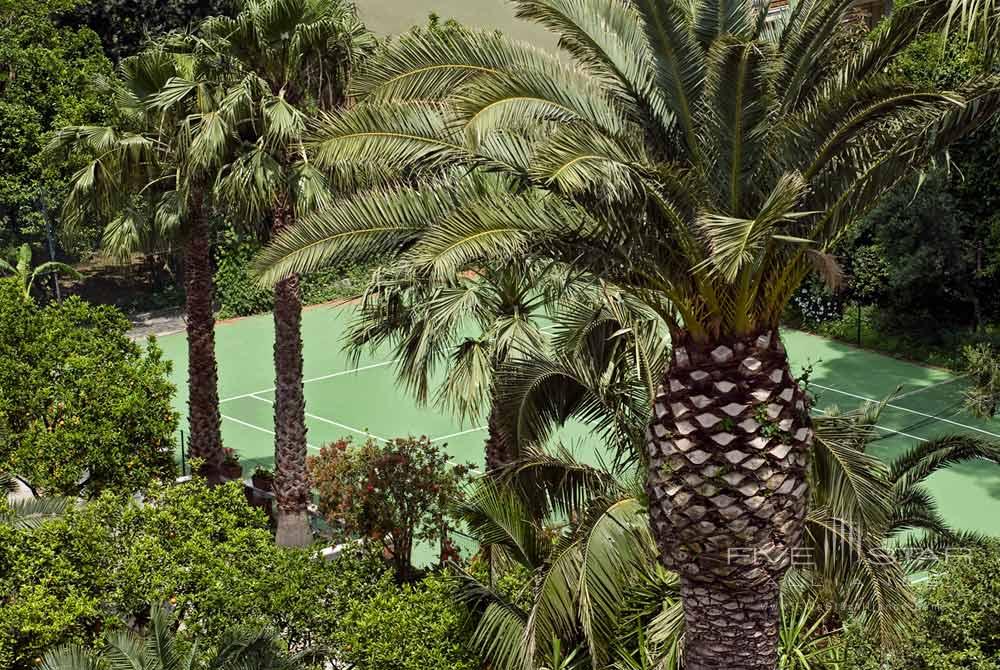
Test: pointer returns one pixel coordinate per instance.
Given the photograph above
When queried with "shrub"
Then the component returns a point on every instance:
(79, 400)
(845, 327)
(983, 367)
(412, 627)
(211, 555)
(814, 304)
(960, 615)
(236, 293)
(124, 26)
(397, 493)
(957, 626)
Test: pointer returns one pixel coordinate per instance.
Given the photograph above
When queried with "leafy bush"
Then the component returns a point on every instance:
(211, 555)
(408, 627)
(929, 255)
(814, 304)
(397, 493)
(983, 367)
(239, 294)
(960, 615)
(79, 400)
(845, 327)
(937, 286)
(957, 626)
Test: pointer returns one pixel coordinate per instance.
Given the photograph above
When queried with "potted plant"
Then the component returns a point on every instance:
(231, 468)
(263, 479)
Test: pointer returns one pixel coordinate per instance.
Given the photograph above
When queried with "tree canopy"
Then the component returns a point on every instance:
(47, 81)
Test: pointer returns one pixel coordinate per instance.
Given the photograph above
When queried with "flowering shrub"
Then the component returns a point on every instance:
(815, 304)
(396, 493)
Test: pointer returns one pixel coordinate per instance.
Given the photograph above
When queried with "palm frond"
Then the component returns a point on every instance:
(33, 512)
(556, 483)
(739, 113)
(496, 516)
(382, 137)
(368, 224)
(845, 479)
(604, 36)
(923, 460)
(678, 70)
(871, 585)
(71, 657)
(715, 18)
(498, 224)
(739, 243)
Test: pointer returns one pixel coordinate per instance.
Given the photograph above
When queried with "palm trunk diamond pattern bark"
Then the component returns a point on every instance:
(497, 443)
(728, 450)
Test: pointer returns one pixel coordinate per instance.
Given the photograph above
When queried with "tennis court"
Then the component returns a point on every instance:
(366, 400)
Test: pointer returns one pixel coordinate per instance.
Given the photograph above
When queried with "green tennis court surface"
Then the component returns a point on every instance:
(343, 400)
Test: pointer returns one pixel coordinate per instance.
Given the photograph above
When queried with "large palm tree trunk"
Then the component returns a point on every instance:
(728, 450)
(498, 442)
(203, 393)
(291, 486)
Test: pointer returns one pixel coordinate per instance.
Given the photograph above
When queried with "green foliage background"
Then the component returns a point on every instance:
(237, 292)
(924, 265)
(77, 397)
(957, 626)
(47, 75)
(123, 26)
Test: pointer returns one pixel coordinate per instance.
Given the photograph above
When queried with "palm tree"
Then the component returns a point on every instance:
(158, 649)
(858, 505)
(275, 61)
(692, 150)
(26, 275)
(470, 324)
(599, 587)
(29, 512)
(141, 177)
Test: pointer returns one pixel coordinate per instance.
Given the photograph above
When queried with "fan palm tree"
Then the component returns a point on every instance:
(157, 648)
(694, 150)
(142, 179)
(26, 274)
(470, 324)
(29, 512)
(275, 61)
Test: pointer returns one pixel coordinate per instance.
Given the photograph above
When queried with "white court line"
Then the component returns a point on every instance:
(546, 329)
(888, 430)
(905, 409)
(325, 420)
(463, 432)
(256, 396)
(931, 386)
(313, 379)
(345, 427)
(256, 427)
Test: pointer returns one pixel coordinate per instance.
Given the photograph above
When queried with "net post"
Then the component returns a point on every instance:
(183, 464)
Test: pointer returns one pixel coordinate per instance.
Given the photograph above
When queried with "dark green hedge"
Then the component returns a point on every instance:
(238, 294)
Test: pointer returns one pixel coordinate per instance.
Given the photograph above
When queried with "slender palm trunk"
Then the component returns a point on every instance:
(728, 450)
(291, 485)
(203, 392)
